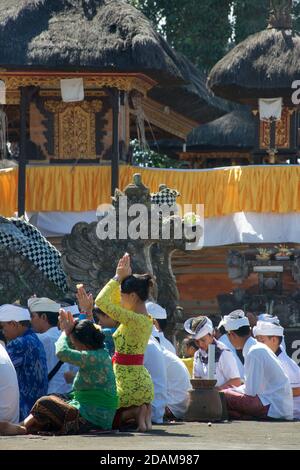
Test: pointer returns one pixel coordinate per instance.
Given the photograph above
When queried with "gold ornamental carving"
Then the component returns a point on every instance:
(123, 83)
(74, 128)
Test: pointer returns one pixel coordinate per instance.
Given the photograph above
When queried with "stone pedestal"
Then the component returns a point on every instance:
(205, 402)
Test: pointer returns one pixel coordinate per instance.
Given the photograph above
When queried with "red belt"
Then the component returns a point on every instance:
(128, 359)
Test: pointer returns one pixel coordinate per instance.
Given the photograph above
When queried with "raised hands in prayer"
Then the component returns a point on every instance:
(85, 301)
(124, 268)
(66, 321)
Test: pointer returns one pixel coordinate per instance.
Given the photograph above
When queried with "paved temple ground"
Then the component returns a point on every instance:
(185, 436)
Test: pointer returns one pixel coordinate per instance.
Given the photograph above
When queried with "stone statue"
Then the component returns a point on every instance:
(88, 259)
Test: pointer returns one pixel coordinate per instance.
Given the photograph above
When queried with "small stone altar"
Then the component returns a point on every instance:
(204, 402)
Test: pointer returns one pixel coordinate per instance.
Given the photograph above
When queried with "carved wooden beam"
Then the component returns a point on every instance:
(165, 118)
(123, 82)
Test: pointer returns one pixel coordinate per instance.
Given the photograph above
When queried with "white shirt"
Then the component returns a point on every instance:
(265, 377)
(225, 368)
(226, 341)
(155, 364)
(9, 389)
(163, 341)
(178, 384)
(57, 384)
(292, 370)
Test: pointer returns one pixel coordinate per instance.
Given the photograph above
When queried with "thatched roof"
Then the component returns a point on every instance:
(194, 99)
(235, 130)
(101, 35)
(263, 65)
(82, 34)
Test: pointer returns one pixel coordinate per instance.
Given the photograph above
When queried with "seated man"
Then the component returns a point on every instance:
(223, 338)
(271, 319)
(159, 314)
(178, 385)
(44, 320)
(9, 389)
(226, 370)
(27, 355)
(155, 364)
(271, 335)
(266, 392)
(171, 382)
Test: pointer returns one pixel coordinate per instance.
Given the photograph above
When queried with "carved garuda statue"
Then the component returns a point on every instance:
(88, 259)
(29, 264)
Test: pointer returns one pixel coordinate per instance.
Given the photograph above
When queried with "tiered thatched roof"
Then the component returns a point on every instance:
(99, 35)
(94, 34)
(264, 65)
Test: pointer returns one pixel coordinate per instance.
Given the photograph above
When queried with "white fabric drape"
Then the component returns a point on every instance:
(270, 108)
(252, 227)
(72, 89)
(241, 227)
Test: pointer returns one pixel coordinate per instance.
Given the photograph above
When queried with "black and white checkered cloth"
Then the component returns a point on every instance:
(26, 240)
(165, 197)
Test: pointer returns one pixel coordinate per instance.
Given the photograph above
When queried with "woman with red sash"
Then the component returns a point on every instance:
(123, 299)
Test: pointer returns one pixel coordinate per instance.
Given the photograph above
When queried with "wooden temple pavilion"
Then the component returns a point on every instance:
(130, 77)
(264, 66)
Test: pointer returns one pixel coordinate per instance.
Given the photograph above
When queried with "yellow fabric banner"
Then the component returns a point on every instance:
(222, 191)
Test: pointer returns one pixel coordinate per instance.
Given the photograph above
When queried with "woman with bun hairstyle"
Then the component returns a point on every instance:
(123, 299)
(93, 401)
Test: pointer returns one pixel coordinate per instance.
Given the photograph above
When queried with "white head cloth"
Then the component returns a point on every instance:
(264, 328)
(235, 320)
(268, 318)
(42, 304)
(203, 328)
(10, 312)
(156, 311)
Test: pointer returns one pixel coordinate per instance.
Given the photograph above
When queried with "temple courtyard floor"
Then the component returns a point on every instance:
(179, 436)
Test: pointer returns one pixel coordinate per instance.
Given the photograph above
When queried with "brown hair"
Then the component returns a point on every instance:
(140, 284)
(88, 334)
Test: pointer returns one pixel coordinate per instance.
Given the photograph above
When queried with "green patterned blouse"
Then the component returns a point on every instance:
(94, 389)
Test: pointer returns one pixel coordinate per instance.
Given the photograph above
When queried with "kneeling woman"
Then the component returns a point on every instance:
(123, 299)
(93, 401)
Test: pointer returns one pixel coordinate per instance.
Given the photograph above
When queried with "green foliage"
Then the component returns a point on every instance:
(296, 15)
(251, 16)
(149, 158)
(203, 29)
(200, 29)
